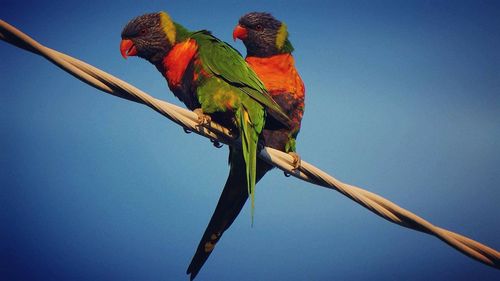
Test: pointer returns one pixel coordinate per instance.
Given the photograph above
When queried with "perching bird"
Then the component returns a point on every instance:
(269, 55)
(212, 79)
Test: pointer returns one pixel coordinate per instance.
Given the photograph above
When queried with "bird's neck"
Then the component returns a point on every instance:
(157, 59)
(268, 50)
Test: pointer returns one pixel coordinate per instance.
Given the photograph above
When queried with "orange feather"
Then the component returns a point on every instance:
(177, 61)
(278, 74)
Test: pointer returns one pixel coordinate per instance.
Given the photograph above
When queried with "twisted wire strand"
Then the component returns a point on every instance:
(307, 172)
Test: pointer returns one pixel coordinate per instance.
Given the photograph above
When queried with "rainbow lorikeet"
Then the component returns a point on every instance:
(269, 55)
(212, 79)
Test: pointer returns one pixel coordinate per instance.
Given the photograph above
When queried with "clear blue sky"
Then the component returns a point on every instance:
(403, 99)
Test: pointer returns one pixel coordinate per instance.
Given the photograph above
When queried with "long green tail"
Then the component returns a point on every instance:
(249, 134)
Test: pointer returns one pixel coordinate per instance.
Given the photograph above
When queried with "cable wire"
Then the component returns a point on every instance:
(307, 172)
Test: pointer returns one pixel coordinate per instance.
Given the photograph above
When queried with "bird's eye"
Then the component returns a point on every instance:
(143, 31)
(258, 27)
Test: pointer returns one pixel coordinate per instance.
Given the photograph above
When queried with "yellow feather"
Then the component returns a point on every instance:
(281, 36)
(168, 27)
(247, 118)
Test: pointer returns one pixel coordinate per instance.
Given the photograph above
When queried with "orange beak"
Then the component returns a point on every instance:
(127, 48)
(240, 32)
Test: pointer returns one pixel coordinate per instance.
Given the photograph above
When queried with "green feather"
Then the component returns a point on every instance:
(225, 62)
(287, 47)
(249, 141)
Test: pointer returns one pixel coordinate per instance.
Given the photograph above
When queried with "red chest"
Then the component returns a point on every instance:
(278, 74)
(177, 61)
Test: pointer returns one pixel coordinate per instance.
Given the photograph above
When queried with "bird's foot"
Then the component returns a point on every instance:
(216, 143)
(295, 163)
(203, 119)
(296, 160)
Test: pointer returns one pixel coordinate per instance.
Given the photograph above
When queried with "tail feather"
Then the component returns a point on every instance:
(243, 175)
(231, 201)
(249, 140)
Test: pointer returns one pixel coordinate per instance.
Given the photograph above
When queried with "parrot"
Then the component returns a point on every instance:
(211, 78)
(269, 55)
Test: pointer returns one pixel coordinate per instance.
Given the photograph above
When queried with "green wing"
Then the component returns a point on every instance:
(227, 63)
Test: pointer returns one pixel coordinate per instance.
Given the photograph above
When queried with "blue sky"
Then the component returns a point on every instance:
(403, 99)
